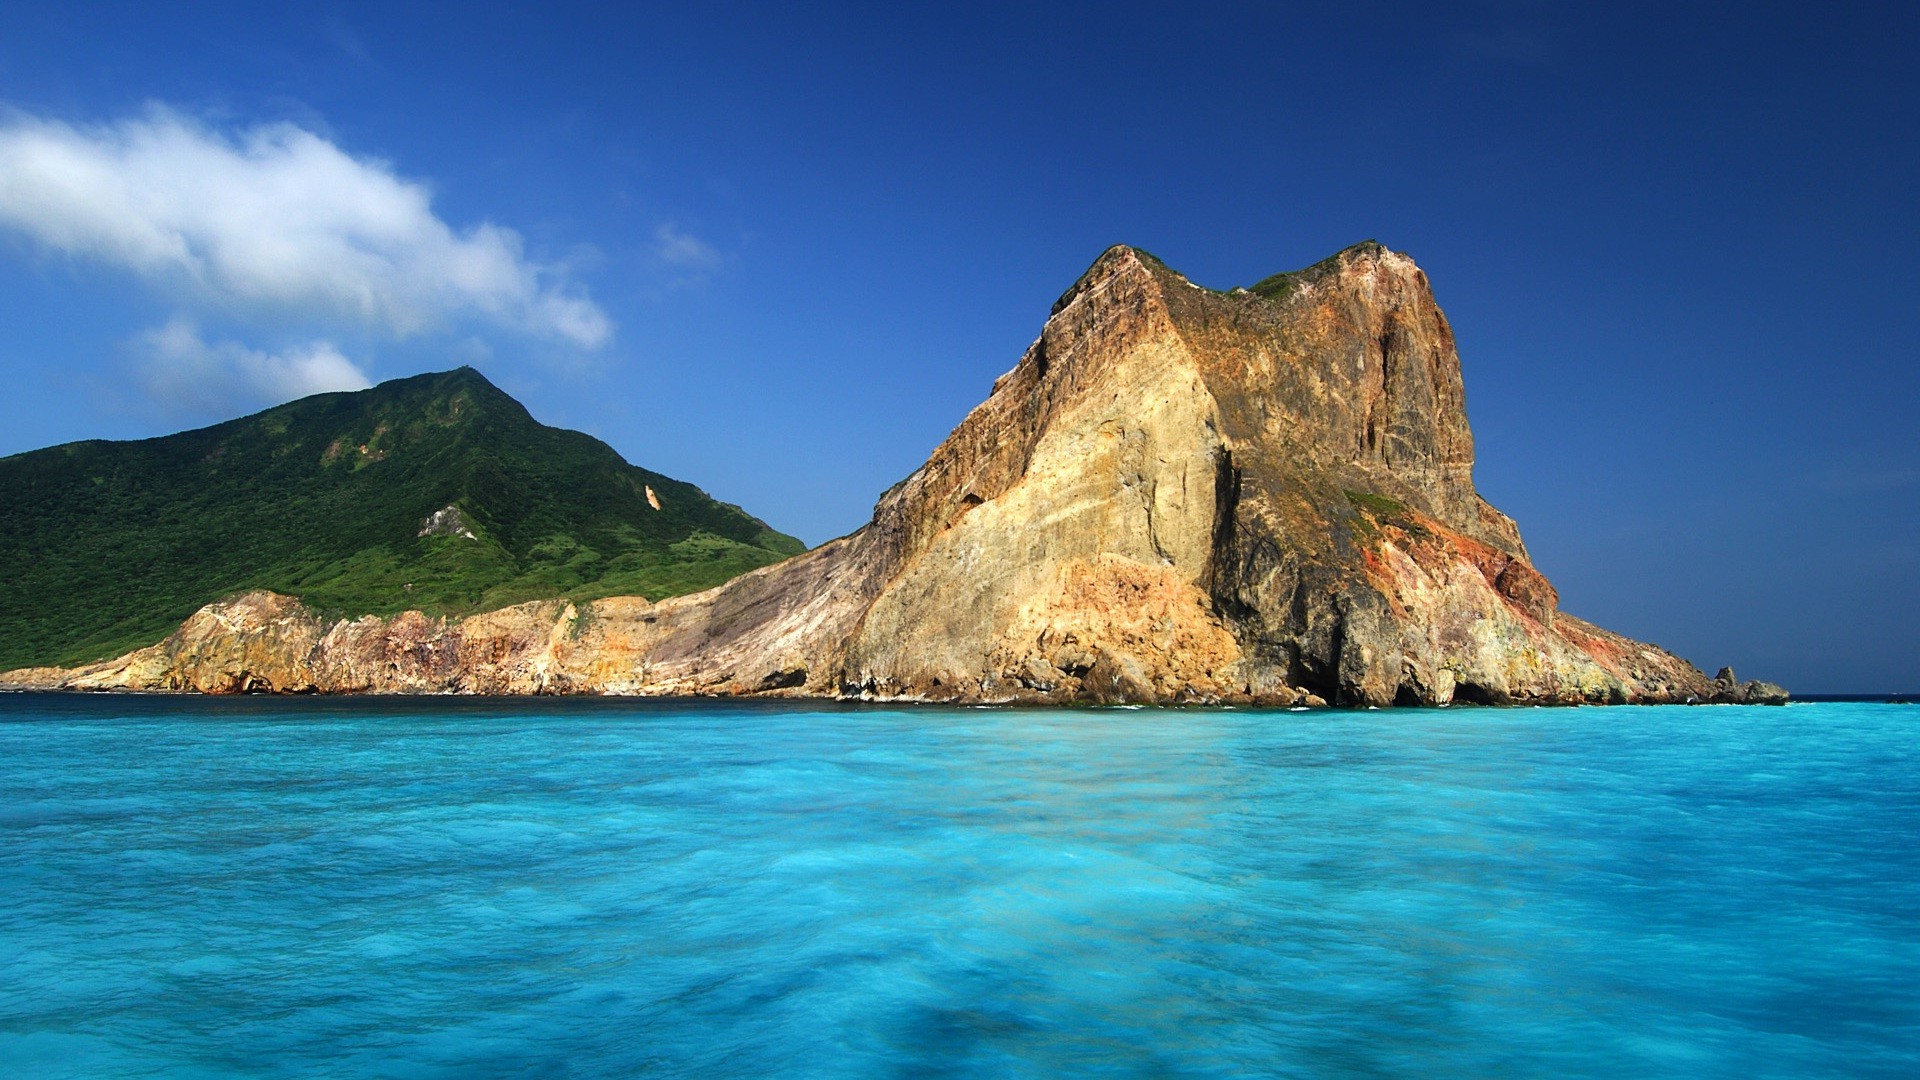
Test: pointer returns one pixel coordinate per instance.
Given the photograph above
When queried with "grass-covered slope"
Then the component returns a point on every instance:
(106, 546)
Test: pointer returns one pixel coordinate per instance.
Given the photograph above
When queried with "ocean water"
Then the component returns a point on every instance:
(468, 889)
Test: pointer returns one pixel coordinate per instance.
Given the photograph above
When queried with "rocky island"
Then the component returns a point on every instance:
(1177, 495)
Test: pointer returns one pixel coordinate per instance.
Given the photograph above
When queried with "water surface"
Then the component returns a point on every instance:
(451, 889)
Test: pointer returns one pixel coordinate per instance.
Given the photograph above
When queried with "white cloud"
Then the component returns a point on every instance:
(183, 370)
(684, 251)
(274, 216)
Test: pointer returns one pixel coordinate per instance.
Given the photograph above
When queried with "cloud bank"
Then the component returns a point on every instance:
(189, 373)
(277, 217)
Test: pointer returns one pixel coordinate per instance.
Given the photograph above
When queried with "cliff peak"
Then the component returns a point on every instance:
(1366, 257)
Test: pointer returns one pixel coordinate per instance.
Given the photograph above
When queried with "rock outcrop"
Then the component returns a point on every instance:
(448, 521)
(1177, 495)
(1725, 689)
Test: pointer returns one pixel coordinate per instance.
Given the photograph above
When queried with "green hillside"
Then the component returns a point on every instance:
(106, 546)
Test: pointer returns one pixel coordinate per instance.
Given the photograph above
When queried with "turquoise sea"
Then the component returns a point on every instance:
(445, 888)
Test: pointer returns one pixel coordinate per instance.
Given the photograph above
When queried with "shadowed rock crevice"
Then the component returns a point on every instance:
(1177, 495)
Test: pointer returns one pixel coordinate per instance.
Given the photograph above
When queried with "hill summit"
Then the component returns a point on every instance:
(438, 493)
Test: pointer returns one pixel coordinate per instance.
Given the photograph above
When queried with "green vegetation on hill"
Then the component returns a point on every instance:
(107, 546)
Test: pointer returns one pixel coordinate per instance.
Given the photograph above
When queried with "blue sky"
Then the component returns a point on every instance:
(780, 252)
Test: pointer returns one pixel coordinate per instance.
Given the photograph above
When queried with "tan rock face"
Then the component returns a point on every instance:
(1175, 495)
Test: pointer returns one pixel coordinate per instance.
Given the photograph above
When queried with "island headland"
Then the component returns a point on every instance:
(437, 492)
(1177, 495)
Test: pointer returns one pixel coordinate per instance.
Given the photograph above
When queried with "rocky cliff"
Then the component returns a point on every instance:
(1176, 495)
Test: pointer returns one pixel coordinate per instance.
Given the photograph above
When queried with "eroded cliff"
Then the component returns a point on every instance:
(1176, 495)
